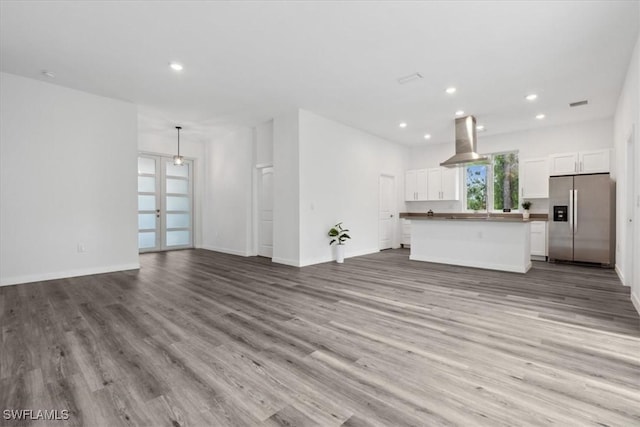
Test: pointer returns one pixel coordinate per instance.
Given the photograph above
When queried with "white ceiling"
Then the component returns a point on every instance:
(246, 62)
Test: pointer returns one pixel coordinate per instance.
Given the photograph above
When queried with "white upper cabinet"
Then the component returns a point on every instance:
(415, 185)
(593, 161)
(563, 164)
(450, 183)
(421, 184)
(534, 178)
(434, 184)
(431, 184)
(443, 184)
(410, 185)
(596, 161)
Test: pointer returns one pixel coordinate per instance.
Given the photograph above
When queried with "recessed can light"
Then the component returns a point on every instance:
(540, 116)
(175, 66)
(459, 113)
(427, 136)
(531, 97)
(403, 125)
(451, 90)
(480, 128)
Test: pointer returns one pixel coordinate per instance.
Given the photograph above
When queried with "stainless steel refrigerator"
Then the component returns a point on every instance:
(582, 219)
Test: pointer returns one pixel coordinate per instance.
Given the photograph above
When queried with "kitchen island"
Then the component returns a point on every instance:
(485, 241)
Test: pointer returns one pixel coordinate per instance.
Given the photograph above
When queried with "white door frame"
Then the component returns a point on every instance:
(394, 213)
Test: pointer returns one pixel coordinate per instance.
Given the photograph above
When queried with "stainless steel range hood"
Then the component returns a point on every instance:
(465, 143)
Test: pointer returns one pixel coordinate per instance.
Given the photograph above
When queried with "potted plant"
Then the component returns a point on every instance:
(339, 235)
(526, 205)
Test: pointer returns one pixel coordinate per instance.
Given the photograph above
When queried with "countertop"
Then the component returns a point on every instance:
(459, 216)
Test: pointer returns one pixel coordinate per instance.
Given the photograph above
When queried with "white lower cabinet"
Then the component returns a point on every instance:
(406, 233)
(539, 239)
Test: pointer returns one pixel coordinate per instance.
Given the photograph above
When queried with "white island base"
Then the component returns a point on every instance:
(483, 243)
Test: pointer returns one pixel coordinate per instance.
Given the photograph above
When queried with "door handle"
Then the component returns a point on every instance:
(575, 211)
(571, 211)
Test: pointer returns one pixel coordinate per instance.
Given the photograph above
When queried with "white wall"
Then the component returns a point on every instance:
(627, 118)
(286, 189)
(227, 224)
(537, 142)
(68, 177)
(158, 137)
(340, 168)
(264, 143)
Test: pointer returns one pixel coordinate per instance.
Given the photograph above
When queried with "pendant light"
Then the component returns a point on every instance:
(178, 160)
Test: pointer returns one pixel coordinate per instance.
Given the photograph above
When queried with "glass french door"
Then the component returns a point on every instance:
(165, 204)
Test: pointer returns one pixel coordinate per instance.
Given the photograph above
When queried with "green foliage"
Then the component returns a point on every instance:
(505, 181)
(505, 189)
(476, 186)
(339, 234)
(526, 205)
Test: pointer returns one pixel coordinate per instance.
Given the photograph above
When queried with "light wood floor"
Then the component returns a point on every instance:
(202, 338)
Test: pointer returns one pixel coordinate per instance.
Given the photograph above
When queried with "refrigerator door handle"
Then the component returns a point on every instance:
(571, 211)
(575, 211)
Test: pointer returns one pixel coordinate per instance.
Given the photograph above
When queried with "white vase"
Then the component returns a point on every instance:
(525, 214)
(339, 254)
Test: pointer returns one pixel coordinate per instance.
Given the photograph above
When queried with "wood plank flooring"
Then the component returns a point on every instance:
(202, 338)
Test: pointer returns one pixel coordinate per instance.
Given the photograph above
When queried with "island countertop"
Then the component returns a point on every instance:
(462, 216)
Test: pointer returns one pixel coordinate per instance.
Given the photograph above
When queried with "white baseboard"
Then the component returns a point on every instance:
(286, 261)
(226, 250)
(620, 275)
(8, 281)
(329, 258)
(636, 302)
(320, 260)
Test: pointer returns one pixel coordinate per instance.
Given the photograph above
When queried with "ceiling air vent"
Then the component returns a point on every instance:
(410, 78)
(579, 103)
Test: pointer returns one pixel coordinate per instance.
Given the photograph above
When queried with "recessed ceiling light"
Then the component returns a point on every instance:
(175, 66)
(459, 113)
(427, 136)
(480, 128)
(48, 74)
(540, 116)
(451, 90)
(403, 125)
(531, 97)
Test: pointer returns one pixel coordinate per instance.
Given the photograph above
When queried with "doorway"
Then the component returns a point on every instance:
(265, 212)
(165, 204)
(386, 212)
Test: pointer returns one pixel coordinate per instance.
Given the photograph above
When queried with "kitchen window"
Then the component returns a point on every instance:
(493, 186)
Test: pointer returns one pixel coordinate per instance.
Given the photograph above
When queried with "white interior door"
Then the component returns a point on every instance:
(265, 212)
(165, 201)
(386, 214)
(630, 249)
